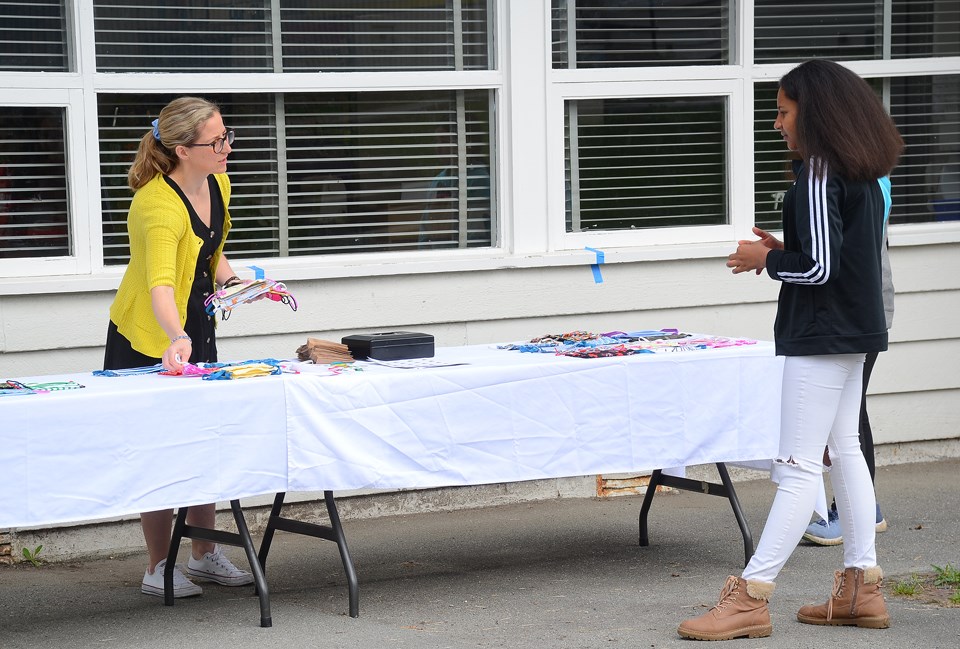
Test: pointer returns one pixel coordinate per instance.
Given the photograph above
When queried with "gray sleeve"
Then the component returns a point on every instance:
(886, 279)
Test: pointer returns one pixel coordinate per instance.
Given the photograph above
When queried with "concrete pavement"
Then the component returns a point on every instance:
(558, 573)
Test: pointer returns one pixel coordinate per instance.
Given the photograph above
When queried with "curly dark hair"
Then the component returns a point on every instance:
(841, 122)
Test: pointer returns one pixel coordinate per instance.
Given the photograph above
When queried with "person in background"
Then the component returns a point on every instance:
(177, 224)
(827, 532)
(829, 316)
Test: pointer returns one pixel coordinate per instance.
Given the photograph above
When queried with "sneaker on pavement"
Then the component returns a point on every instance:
(828, 532)
(153, 584)
(216, 567)
(881, 521)
(825, 532)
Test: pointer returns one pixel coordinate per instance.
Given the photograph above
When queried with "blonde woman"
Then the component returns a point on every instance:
(177, 223)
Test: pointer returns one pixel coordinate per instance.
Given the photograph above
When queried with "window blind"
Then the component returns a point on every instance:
(645, 163)
(855, 29)
(926, 184)
(304, 36)
(332, 172)
(359, 35)
(389, 171)
(33, 36)
(773, 162)
(618, 33)
(34, 217)
(183, 36)
(930, 28)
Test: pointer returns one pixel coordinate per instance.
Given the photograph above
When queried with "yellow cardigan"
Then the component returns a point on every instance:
(163, 252)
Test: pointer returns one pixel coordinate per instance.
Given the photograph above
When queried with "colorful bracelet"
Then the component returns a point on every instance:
(181, 337)
(231, 281)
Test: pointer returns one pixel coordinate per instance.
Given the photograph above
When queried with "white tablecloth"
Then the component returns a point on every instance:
(129, 444)
(125, 445)
(509, 416)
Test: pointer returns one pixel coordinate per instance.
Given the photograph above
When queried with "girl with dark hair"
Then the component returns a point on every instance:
(178, 223)
(830, 315)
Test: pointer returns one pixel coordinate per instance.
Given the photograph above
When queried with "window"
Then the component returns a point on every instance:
(241, 36)
(321, 171)
(183, 36)
(626, 33)
(636, 158)
(645, 163)
(926, 183)
(363, 172)
(33, 36)
(33, 183)
(389, 170)
(856, 29)
(925, 108)
(360, 36)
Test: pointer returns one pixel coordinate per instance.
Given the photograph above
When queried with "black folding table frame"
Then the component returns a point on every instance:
(334, 532)
(724, 489)
(258, 560)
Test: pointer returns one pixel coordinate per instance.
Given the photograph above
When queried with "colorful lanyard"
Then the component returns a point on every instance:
(583, 344)
(245, 292)
(228, 371)
(130, 371)
(10, 387)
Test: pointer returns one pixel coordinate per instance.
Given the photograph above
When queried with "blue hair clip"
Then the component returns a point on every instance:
(156, 129)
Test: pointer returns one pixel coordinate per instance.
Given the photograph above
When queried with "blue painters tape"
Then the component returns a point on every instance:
(597, 275)
(258, 272)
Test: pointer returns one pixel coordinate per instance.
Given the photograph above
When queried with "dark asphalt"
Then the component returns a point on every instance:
(560, 573)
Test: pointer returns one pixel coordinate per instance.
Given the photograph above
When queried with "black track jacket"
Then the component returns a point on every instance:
(830, 297)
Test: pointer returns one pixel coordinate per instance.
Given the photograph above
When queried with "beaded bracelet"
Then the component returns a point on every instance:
(181, 337)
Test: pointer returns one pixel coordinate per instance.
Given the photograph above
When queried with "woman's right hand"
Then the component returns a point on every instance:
(176, 355)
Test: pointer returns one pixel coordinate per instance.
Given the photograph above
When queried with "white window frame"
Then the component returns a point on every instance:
(306, 268)
(736, 151)
(81, 227)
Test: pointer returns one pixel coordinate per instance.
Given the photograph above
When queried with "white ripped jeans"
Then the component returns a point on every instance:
(821, 405)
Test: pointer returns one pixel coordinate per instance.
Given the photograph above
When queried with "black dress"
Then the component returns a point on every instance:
(119, 354)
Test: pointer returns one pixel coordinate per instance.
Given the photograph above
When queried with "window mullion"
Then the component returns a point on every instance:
(457, 35)
(283, 225)
(462, 190)
(572, 34)
(573, 144)
(276, 36)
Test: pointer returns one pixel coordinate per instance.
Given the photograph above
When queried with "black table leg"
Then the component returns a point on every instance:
(353, 587)
(737, 512)
(178, 533)
(725, 490)
(332, 532)
(241, 538)
(259, 579)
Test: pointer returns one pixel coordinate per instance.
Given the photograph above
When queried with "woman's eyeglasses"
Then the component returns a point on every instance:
(218, 144)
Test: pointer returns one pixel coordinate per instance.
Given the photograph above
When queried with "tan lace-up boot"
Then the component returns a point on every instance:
(741, 612)
(856, 601)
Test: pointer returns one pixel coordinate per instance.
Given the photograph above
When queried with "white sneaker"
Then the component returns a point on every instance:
(153, 584)
(216, 567)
